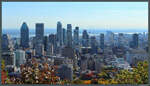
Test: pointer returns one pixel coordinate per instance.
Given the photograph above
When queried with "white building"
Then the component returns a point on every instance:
(20, 57)
(120, 63)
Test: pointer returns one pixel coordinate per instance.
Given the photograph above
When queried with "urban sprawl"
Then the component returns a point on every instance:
(69, 58)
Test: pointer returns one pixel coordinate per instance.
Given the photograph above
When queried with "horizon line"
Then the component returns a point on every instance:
(84, 28)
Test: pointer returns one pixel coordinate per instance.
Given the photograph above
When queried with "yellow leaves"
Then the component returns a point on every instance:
(139, 75)
(139, 64)
(102, 74)
(103, 81)
(145, 65)
(112, 81)
(3, 65)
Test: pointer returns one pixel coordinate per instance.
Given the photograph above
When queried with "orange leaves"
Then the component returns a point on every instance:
(36, 75)
(3, 72)
(87, 82)
(3, 76)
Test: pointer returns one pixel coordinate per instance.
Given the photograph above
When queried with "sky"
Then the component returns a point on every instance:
(86, 15)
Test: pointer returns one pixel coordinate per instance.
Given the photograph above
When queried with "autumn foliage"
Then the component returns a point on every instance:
(3, 72)
(47, 75)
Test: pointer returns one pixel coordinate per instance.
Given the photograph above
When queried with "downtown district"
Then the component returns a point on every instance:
(70, 55)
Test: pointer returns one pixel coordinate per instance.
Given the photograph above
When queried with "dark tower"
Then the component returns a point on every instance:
(24, 42)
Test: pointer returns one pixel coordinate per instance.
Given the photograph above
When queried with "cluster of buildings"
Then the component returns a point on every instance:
(74, 53)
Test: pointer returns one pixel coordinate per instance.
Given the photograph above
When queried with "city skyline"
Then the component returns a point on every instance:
(111, 15)
(71, 56)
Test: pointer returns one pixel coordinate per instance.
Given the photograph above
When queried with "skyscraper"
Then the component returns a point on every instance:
(85, 39)
(102, 41)
(39, 46)
(135, 39)
(24, 42)
(69, 35)
(59, 33)
(39, 32)
(64, 36)
(76, 36)
(6, 45)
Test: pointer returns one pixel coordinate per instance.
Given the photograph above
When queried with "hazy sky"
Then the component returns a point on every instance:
(113, 15)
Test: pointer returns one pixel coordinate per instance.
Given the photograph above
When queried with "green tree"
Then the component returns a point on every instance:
(139, 74)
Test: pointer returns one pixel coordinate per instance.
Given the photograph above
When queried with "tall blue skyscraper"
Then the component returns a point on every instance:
(76, 36)
(24, 42)
(59, 34)
(40, 32)
(69, 35)
(85, 39)
(39, 47)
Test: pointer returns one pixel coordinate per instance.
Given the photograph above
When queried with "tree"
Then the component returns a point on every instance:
(139, 75)
(3, 72)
